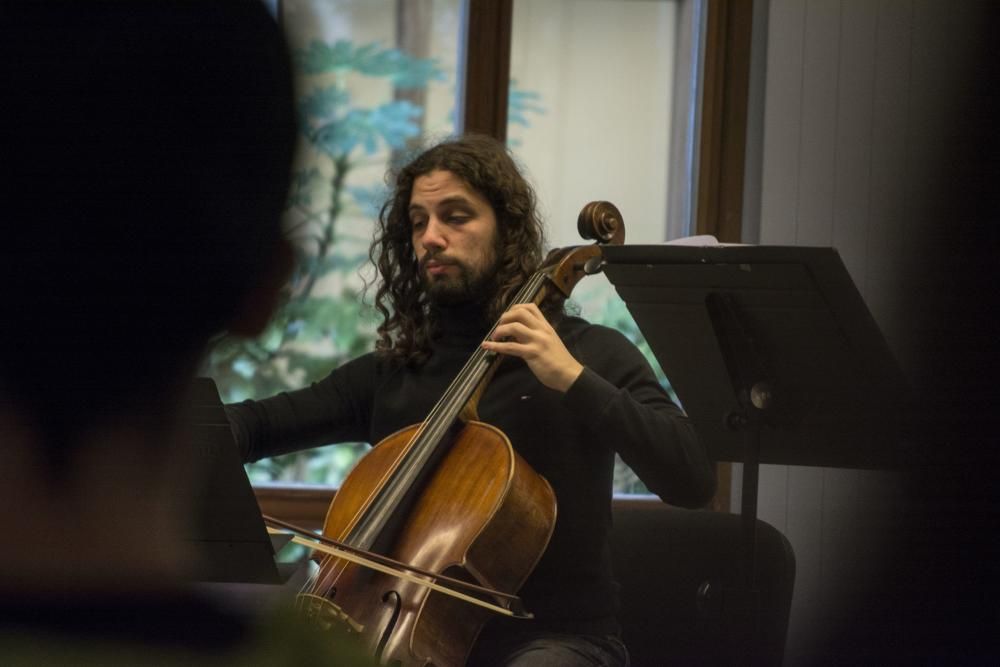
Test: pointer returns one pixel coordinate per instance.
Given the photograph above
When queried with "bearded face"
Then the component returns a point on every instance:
(449, 281)
(454, 235)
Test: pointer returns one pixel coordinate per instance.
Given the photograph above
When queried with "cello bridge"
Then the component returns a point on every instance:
(326, 614)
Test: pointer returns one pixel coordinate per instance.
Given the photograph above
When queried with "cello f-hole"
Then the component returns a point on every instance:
(393, 598)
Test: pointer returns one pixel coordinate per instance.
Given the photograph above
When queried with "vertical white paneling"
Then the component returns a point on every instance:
(779, 185)
(881, 503)
(890, 128)
(804, 515)
(818, 149)
(852, 169)
(936, 94)
(750, 223)
(858, 100)
(782, 122)
(780, 182)
(861, 510)
(772, 496)
(804, 529)
(861, 103)
(779, 198)
(842, 540)
(862, 99)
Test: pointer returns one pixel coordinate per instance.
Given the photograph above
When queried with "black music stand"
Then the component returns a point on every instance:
(227, 531)
(773, 355)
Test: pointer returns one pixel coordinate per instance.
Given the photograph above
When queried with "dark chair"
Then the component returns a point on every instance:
(683, 598)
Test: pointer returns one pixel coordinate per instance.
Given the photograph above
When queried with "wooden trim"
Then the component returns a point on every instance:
(487, 67)
(414, 26)
(306, 505)
(724, 119)
(723, 498)
(300, 504)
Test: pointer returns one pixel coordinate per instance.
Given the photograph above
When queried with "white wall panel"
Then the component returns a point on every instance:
(782, 122)
(818, 147)
(857, 102)
(854, 134)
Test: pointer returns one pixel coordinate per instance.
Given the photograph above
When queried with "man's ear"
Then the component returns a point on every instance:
(261, 300)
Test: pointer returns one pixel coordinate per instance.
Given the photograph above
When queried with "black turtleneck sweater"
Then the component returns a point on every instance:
(615, 405)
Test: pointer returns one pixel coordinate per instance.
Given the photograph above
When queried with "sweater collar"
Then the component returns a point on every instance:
(461, 322)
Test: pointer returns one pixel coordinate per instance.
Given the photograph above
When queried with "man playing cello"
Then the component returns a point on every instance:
(457, 238)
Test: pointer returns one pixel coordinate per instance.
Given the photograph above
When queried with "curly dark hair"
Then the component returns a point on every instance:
(485, 165)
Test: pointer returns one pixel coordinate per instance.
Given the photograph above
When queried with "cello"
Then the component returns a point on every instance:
(417, 539)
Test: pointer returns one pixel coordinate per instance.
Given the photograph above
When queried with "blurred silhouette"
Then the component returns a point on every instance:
(145, 151)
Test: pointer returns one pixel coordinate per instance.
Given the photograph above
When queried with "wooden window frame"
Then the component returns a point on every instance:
(486, 46)
(722, 142)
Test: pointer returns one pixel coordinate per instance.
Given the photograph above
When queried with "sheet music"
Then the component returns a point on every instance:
(701, 241)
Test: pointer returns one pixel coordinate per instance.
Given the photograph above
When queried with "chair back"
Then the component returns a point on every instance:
(683, 592)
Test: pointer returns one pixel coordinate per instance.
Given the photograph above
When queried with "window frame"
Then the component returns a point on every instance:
(720, 125)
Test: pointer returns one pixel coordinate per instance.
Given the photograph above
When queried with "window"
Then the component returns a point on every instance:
(594, 88)
(366, 91)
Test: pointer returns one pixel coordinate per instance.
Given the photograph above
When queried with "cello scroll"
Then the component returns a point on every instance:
(600, 221)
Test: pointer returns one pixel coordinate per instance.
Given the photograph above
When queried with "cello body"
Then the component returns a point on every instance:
(482, 515)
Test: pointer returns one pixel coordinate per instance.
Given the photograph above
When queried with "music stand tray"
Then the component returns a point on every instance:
(790, 315)
(227, 531)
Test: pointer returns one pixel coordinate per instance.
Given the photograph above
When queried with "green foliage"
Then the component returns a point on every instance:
(520, 103)
(333, 124)
(343, 57)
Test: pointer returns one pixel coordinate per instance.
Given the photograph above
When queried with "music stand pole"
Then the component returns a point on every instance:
(752, 388)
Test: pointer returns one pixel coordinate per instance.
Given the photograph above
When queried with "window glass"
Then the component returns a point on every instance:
(590, 112)
(590, 117)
